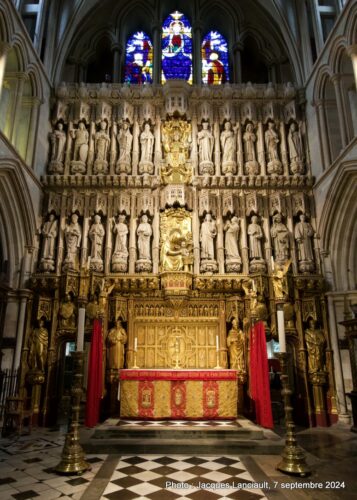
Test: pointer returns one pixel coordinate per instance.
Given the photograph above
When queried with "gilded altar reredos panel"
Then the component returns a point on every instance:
(186, 339)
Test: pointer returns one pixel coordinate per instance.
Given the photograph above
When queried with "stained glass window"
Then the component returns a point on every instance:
(138, 60)
(176, 48)
(214, 59)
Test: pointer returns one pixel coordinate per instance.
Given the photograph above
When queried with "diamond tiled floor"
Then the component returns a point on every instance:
(156, 477)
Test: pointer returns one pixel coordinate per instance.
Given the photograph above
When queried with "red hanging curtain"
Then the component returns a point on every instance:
(95, 382)
(259, 376)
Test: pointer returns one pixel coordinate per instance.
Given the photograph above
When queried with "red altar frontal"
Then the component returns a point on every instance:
(178, 394)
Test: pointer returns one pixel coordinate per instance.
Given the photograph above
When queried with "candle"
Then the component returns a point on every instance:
(80, 331)
(135, 344)
(272, 263)
(281, 331)
(217, 343)
(254, 286)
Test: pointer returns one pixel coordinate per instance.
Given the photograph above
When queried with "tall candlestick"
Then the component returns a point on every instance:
(80, 331)
(136, 344)
(272, 263)
(281, 330)
(217, 343)
(254, 286)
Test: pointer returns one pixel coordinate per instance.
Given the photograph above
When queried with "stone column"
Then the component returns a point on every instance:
(85, 230)
(197, 60)
(340, 388)
(220, 237)
(32, 130)
(284, 152)
(108, 238)
(245, 250)
(158, 154)
(217, 146)
(156, 234)
(18, 105)
(237, 62)
(156, 30)
(240, 160)
(132, 234)
(336, 80)
(261, 149)
(321, 117)
(352, 52)
(196, 235)
(4, 49)
(136, 132)
(117, 63)
(194, 153)
(24, 295)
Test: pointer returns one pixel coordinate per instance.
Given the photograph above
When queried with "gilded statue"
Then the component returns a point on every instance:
(38, 345)
(235, 344)
(176, 240)
(66, 313)
(280, 282)
(176, 139)
(316, 344)
(116, 340)
(93, 308)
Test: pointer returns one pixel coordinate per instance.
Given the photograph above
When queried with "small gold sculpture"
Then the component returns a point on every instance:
(315, 342)
(67, 313)
(280, 283)
(38, 345)
(116, 340)
(176, 243)
(235, 344)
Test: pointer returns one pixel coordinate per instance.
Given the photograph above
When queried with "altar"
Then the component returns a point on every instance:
(178, 394)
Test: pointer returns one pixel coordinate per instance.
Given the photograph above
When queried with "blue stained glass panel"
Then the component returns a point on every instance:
(176, 48)
(138, 59)
(214, 59)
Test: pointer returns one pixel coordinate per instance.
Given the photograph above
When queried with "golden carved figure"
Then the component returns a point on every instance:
(66, 313)
(280, 283)
(38, 345)
(315, 342)
(235, 344)
(176, 138)
(116, 340)
(176, 243)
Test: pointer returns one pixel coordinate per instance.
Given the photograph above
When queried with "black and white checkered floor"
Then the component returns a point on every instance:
(159, 477)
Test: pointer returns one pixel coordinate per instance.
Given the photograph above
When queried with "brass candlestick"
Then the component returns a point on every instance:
(217, 367)
(293, 457)
(135, 366)
(73, 457)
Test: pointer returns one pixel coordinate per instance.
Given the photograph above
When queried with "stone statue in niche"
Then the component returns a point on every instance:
(66, 313)
(49, 234)
(73, 238)
(250, 158)
(102, 142)
(303, 236)
(205, 141)
(96, 235)
(233, 259)
(38, 345)
(228, 144)
(144, 233)
(58, 143)
(207, 238)
(271, 143)
(280, 238)
(80, 154)
(147, 140)
(316, 344)
(125, 141)
(116, 340)
(120, 254)
(255, 235)
(236, 348)
(296, 150)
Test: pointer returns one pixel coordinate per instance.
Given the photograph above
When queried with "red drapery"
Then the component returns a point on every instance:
(259, 376)
(95, 381)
